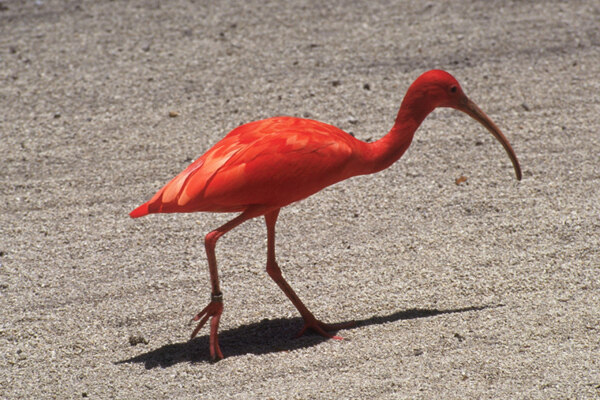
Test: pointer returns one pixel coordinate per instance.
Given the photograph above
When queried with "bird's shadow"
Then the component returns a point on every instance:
(267, 336)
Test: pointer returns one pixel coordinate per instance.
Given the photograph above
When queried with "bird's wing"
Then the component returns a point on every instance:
(270, 162)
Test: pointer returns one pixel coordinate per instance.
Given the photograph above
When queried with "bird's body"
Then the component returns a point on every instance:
(262, 166)
(272, 162)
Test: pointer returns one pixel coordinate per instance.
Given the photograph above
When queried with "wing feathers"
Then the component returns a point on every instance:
(272, 162)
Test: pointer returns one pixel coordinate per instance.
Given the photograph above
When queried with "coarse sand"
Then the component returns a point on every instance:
(464, 282)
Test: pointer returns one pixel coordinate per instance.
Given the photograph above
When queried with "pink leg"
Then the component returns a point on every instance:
(310, 322)
(215, 308)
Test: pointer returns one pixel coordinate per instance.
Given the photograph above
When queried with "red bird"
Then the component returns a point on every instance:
(262, 166)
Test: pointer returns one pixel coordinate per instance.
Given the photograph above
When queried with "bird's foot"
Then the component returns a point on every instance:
(322, 328)
(213, 311)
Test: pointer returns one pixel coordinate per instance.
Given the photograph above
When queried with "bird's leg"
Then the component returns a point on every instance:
(310, 322)
(215, 308)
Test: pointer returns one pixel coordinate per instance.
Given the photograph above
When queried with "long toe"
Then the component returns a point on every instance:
(338, 326)
(215, 351)
(322, 328)
(213, 313)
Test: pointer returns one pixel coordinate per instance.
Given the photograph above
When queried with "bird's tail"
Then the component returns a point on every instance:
(140, 211)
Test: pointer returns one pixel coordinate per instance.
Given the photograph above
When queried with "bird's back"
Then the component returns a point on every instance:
(272, 162)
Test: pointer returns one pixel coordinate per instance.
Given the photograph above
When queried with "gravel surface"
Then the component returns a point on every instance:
(486, 289)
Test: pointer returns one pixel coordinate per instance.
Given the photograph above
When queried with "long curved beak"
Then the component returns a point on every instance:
(477, 114)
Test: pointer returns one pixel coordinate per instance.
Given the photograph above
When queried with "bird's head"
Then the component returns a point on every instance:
(437, 88)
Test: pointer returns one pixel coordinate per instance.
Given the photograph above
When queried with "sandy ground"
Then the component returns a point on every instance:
(489, 289)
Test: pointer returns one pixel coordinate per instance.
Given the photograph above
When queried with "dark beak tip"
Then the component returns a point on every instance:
(470, 108)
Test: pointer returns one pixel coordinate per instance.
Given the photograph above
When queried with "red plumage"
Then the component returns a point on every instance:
(272, 162)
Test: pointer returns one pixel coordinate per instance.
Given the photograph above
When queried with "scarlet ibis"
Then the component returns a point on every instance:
(262, 166)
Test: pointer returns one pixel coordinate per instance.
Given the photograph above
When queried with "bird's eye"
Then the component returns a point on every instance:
(453, 89)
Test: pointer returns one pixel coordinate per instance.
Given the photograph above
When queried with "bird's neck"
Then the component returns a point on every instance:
(387, 150)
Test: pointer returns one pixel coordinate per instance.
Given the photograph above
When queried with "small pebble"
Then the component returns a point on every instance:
(137, 339)
(461, 179)
(459, 337)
